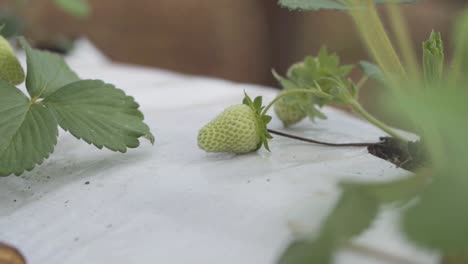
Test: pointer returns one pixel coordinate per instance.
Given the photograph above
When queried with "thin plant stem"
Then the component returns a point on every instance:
(298, 91)
(400, 29)
(357, 108)
(456, 73)
(373, 33)
(361, 82)
(274, 132)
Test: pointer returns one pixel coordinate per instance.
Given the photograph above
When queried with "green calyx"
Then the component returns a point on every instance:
(262, 120)
(288, 110)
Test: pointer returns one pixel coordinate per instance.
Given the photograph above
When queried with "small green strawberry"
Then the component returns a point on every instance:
(289, 111)
(10, 68)
(238, 129)
(296, 66)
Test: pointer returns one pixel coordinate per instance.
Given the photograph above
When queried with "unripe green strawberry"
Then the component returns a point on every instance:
(10, 68)
(234, 130)
(238, 129)
(294, 67)
(289, 111)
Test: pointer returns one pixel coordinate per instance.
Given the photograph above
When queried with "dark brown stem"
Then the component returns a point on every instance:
(321, 143)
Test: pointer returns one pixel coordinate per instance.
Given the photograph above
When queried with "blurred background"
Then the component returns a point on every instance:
(239, 40)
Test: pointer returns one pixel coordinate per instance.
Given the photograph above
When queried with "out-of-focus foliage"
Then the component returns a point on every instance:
(78, 8)
(437, 217)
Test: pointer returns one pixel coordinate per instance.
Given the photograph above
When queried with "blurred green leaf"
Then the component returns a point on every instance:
(13, 25)
(358, 208)
(354, 213)
(439, 220)
(77, 8)
(372, 71)
(433, 59)
(395, 191)
(308, 252)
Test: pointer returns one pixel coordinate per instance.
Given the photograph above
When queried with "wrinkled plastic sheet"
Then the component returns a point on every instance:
(173, 203)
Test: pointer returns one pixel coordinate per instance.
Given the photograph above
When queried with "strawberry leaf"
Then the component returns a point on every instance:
(29, 132)
(100, 114)
(266, 119)
(47, 72)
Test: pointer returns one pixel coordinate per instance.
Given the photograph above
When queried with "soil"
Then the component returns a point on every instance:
(407, 155)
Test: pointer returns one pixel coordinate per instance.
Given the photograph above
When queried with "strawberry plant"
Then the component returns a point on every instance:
(431, 201)
(92, 110)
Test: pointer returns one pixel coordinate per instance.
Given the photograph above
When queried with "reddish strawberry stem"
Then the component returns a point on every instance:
(321, 143)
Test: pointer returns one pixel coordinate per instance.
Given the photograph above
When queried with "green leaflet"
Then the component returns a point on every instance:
(13, 108)
(30, 132)
(78, 8)
(100, 114)
(47, 72)
(326, 4)
(262, 119)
